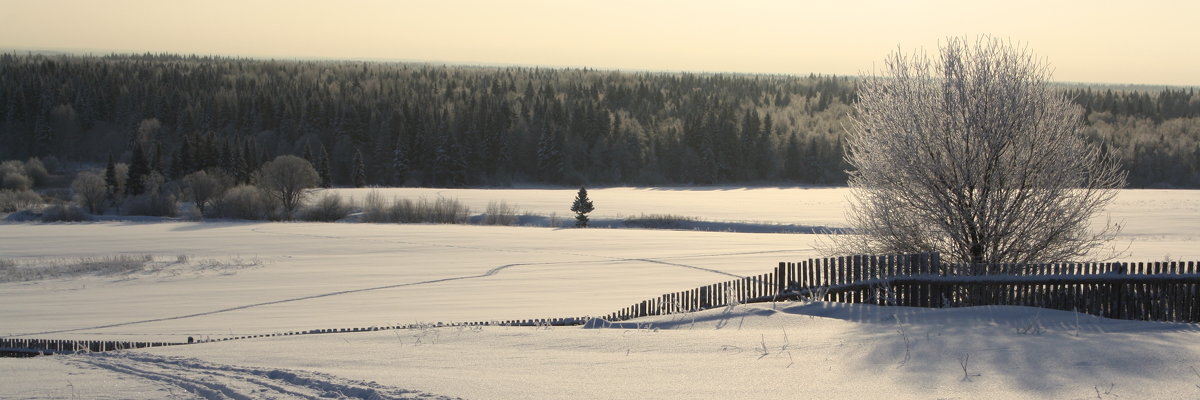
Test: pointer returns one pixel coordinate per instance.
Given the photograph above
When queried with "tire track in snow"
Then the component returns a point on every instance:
(606, 258)
(488, 273)
(216, 381)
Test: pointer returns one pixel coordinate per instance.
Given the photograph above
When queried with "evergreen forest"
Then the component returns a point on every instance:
(391, 124)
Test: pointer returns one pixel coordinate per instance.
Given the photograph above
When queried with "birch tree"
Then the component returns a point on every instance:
(976, 156)
(287, 179)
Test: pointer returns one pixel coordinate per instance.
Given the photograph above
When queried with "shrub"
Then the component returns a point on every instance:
(56, 195)
(328, 208)
(90, 191)
(203, 188)
(151, 204)
(12, 271)
(64, 212)
(376, 209)
(51, 164)
(500, 213)
(243, 202)
(36, 171)
(440, 211)
(660, 221)
(15, 200)
(14, 180)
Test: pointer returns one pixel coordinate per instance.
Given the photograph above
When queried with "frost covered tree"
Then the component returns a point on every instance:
(287, 180)
(203, 189)
(974, 155)
(581, 207)
(90, 191)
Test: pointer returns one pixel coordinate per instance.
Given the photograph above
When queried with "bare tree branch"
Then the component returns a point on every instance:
(975, 156)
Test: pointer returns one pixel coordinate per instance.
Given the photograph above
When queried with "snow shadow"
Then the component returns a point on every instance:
(1032, 349)
(1042, 351)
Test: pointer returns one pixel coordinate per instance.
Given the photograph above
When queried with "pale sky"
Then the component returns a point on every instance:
(1143, 42)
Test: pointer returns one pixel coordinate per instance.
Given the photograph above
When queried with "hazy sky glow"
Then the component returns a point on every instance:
(1148, 42)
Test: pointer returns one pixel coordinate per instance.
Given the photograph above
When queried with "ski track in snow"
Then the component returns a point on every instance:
(489, 273)
(605, 258)
(215, 381)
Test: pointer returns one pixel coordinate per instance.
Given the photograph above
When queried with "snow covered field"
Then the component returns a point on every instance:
(220, 279)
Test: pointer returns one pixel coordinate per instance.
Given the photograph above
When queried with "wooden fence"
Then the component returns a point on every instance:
(1156, 291)
(30, 347)
(18, 347)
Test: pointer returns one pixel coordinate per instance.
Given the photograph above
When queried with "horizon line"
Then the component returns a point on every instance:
(96, 52)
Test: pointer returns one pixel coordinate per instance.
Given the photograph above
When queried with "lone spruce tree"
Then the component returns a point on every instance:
(581, 207)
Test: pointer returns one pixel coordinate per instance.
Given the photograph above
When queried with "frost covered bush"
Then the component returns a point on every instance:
(15, 182)
(243, 202)
(660, 221)
(16, 200)
(13, 177)
(439, 211)
(500, 213)
(12, 271)
(156, 199)
(376, 209)
(36, 172)
(64, 212)
(203, 188)
(90, 191)
(56, 195)
(327, 208)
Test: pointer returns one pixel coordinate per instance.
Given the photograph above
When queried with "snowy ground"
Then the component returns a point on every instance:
(789, 350)
(242, 278)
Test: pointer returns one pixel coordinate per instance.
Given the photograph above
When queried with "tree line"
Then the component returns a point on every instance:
(371, 123)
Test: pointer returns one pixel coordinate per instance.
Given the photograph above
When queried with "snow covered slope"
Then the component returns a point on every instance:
(781, 351)
(220, 279)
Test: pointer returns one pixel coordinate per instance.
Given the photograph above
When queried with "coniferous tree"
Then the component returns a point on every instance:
(399, 164)
(245, 163)
(182, 163)
(43, 139)
(110, 176)
(679, 126)
(157, 165)
(454, 164)
(581, 207)
(228, 158)
(251, 158)
(359, 175)
(139, 169)
(793, 162)
(549, 155)
(323, 168)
